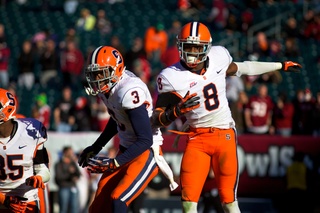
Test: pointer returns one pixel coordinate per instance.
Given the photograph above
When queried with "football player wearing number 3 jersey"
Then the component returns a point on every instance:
(196, 88)
(139, 158)
(23, 159)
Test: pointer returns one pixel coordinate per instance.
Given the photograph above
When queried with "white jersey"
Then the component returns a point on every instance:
(16, 157)
(129, 93)
(210, 87)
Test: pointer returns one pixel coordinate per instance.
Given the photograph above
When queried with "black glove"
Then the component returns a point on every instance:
(188, 103)
(290, 66)
(87, 153)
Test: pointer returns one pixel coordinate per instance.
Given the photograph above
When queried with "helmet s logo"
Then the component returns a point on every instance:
(12, 100)
(117, 56)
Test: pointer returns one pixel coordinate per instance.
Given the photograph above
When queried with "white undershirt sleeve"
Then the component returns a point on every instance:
(43, 171)
(256, 68)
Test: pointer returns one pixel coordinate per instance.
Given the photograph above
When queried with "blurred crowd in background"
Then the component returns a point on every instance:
(51, 67)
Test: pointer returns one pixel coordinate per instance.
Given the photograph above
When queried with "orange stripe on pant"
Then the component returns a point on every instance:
(215, 148)
(125, 183)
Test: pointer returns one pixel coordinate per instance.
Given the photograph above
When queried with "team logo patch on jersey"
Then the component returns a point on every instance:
(228, 136)
(192, 84)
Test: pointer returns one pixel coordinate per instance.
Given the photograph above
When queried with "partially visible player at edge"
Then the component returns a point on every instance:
(196, 87)
(23, 159)
(130, 105)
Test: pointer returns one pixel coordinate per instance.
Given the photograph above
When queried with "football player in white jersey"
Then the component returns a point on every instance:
(139, 158)
(23, 159)
(196, 88)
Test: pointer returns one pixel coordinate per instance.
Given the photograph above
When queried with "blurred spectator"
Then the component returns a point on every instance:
(103, 24)
(275, 51)
(258, 112)
(116, 43)
(234, 87)
(72, 61)
(283, 115)
(49, 61)
(291, 49)
(136, 51)
(174, 30)
(63, 116)
(70, 6)
(5, 53)
(185, 7)
(71, 36)
(303, 106)
(100, 113)
(40, 38)
(26, 65)
(316, 116)
(312, 29)
(291, 29)
(218, 16)
(2, 34)
(261, 47)
(297, 104)
(246, 20)
(86, 22)
(297, 185)
(171, 54)
(41, 110)
(82, 114)
(156, 42)
(232, 24)
(67, 174)
(269, 78)
(142, 69)
(190, 8)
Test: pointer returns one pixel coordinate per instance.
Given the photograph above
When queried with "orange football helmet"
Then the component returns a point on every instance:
(8, 106)
(105, 68)
(194, 35)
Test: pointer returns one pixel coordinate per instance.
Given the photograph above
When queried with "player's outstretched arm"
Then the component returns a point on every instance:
(258, 68)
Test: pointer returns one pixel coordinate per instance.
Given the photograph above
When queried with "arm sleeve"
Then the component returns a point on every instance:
(40, 164)
(43, 171)
(256, 68)
(141, 125)
(109, 131)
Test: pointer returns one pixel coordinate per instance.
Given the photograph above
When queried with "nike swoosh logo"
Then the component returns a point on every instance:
(219, 71)
(20, 147)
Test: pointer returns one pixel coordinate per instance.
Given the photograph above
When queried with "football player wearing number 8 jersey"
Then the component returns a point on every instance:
(139, 158)
(23, 159)
(196, 88)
